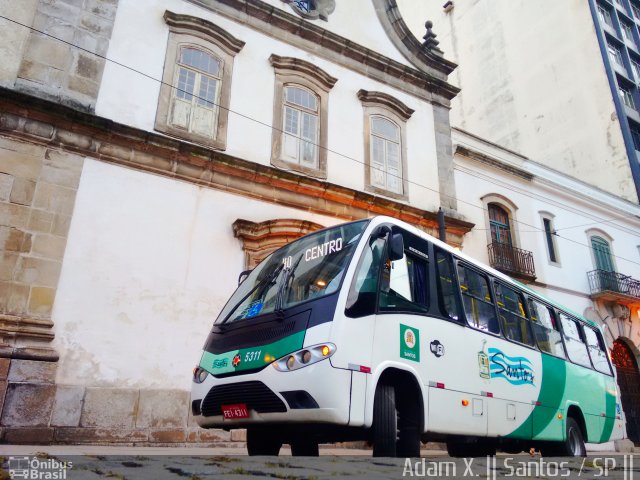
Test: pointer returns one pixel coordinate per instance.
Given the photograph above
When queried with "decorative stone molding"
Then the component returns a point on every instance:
(317, 9)
(260, 239)
(427, 82)
(370, 99)
(290, 65)
(46, 123)
(186, 24)
(26, 337)
(487, 160)
(426, 59)
(430, 43)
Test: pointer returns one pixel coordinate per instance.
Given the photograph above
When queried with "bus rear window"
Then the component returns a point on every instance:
(597, 351)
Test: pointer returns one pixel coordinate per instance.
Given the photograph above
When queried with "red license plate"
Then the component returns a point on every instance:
(238, 410)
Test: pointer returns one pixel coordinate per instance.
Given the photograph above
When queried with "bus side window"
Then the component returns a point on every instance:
(404, 283)
(513, 318)
(545, 329)
(361, 300)
(446, 285)
(597, 351)
(576, 348)
(476, 298)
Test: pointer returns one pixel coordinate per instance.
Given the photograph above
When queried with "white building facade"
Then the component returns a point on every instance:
(139, 182)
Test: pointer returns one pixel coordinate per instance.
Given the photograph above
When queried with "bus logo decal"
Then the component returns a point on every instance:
(515, 370)
(236, 360)
(437, 348)
(483, 365)
(409, 343)
(220, 363)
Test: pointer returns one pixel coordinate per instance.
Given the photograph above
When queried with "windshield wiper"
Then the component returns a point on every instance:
(265, 282)
(289, 273)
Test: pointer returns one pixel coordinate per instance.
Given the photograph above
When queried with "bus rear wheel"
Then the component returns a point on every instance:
(572, 446)
(261, 441)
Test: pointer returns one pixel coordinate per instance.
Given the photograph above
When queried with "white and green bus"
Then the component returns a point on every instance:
(373, 330)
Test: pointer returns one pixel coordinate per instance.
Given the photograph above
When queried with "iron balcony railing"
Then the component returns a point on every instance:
(511, 260)
(604, 281)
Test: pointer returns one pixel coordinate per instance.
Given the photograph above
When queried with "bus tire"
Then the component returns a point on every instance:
(304, 448)
(572, 446)
(262, 442)
(385, 421)
(409, 426)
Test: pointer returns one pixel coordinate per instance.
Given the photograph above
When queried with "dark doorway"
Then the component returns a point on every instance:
(629, 383)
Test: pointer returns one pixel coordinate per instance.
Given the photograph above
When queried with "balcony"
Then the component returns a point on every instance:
(513, 261)
(614, 286)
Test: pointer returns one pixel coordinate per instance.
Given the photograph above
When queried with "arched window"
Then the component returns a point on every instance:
(196, 83)
(602, 254)
(301, 104)
(195, 105)
(386, 164)
(300, 126)
(385, 151)
(499, 224)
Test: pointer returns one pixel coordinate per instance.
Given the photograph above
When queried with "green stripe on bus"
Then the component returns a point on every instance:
(610, 410)
(252, 357)
(549, 401)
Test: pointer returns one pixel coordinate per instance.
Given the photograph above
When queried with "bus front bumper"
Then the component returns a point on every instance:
(317, 393)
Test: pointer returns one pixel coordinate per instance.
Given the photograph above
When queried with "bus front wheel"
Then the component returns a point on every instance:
(395, 429)
(261, 441)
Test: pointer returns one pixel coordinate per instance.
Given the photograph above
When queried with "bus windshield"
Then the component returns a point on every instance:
(309, 268)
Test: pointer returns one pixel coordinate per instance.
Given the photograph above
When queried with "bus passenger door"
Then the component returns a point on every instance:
(353, 331)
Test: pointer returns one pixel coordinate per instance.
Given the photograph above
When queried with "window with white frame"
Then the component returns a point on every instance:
(300, 126)
(195, 104)
(386, 166)
(300, 111)
(550, 238)
(385, 118)
(636, 11)
(195, 94)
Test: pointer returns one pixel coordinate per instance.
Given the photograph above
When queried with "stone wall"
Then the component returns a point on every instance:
(37, 193)
(64, 61)
(37, 410)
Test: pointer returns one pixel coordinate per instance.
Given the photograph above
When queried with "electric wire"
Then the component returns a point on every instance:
(280, 130)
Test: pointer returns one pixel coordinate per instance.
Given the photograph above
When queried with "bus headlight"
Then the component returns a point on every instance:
(199, 375)
(304, 357)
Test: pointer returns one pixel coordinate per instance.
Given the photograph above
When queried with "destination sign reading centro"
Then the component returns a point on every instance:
(326, 248)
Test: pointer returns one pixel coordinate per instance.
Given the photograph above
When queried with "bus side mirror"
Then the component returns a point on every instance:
(396, 247)
(243, 275)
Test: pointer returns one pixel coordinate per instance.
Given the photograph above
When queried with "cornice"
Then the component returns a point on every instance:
(45, 123)
(378, 98)
(287, 27)
(188, 24)
(487, 160)
(289, 65)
